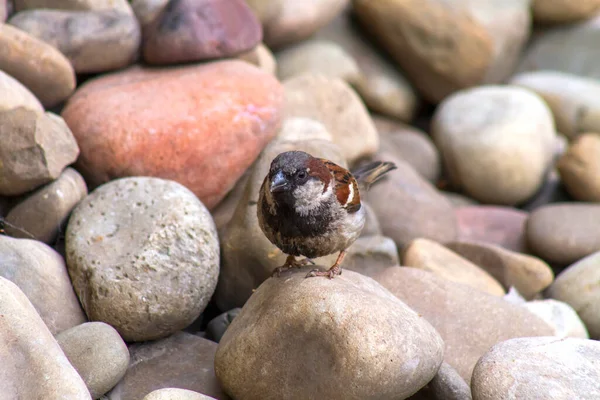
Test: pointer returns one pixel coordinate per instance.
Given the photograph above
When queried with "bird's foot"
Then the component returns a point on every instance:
(290, 263)
(330, 273)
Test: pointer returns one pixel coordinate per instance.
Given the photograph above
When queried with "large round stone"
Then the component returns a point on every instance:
(143, 255)
(200, 125)
(295, 333)
(496, 142)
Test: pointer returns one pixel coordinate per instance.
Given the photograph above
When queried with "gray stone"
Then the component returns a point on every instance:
(40, 272)
(561, 316)
(14, 94)
(98, 354)
(176, 394)
(74, 5)
(182, 360)
(309, 330)
(35, 148)
(143, 255)
(93, 41)
(527, 368)
(33, 365)
(43, 214)
(217, 326)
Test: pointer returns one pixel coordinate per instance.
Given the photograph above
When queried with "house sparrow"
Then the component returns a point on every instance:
(310, 207)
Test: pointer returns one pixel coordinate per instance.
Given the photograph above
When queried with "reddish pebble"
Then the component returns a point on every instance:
(200, 125)
(503, 226)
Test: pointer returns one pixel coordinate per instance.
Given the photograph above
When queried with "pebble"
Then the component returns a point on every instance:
(143, 255)
(559, 315)
(146, 11)
(37, 65)
(386, 349)
(337, 106)
(3, 10)
(290, 21)
(577, 285)
(502, 226)
(249, 257)
(35, 149)
(98, 353)
(372, 226)
(431, 256)
(13, 95)
(563, 233)
(496, 142)
(383, 88)
(43, 214)
(175, 394)
(410, 144)
(569, 48)
(563, 11)
(195, 30)
(552, 191)
(525, 368)
(301, 128)
(262, 57)
(440, 50)
(34, 266)
(528, 274)
(579, 168)
(217, 326)
(93, 41)
(425, 213)
(73, 5)
(469, 321)
(33, 365)
(447, 384)
(370, 255)
(573, 99)
(318, 57)
(196, 124)
(459, 200)
(182, 361)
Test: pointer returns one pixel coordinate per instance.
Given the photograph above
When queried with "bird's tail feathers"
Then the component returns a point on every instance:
(369, 173)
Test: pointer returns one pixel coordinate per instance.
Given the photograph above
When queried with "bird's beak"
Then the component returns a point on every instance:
(279, 183)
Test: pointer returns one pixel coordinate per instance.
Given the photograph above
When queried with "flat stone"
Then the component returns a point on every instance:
(195, 30)
(182, 361)
(44, 213)
(34, 366)
(375, 345)
(577, 286)
(143, 255)
(518, 123)
(35, 148)
(469, 321)
(37, 65)
(40, 272)
(98, 354)
(524, 368)
(93, 41)
(431, 256)
(564, 233)
(528, 274)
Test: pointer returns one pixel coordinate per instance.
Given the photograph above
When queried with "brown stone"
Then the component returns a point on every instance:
(528, 274)
(579, 168)
(182, 360)
(74, 5)
(194, 30)
(442, 49)
(168, 122)
(433, 257)
(469, 321)
(563, 11)
(14, 94)
(37, 65)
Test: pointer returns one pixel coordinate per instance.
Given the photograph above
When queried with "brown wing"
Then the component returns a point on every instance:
(346, 187)
(371, 172)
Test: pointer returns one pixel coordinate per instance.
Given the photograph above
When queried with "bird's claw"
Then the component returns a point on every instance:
(289, 264)
(330, 273)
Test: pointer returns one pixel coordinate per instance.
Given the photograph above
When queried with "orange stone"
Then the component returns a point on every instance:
(200, 125)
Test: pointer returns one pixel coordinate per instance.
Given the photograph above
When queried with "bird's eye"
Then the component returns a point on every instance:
(302, 175)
